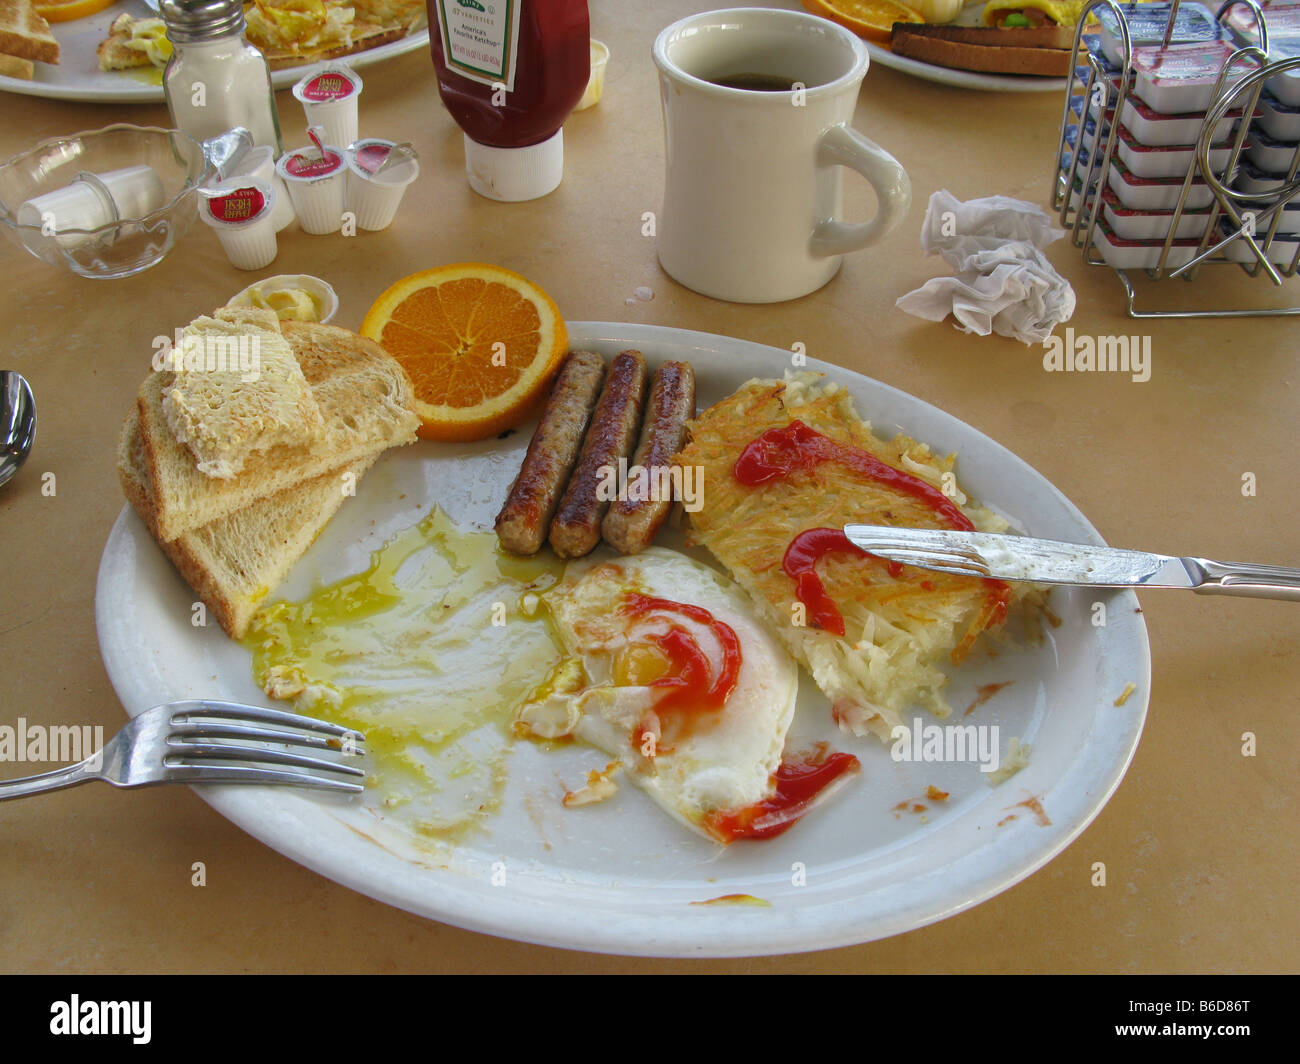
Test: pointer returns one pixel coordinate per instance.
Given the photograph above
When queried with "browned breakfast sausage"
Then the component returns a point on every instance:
(525, 517)
(614, 426)
(632, 522)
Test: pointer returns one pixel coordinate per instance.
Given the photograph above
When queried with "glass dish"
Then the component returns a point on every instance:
(126, 245)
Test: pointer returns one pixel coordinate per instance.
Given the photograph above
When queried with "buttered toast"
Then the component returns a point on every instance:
(366, 404)
(234, 562)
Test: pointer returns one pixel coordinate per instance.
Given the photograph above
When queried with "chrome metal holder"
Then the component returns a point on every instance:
(1098, 93)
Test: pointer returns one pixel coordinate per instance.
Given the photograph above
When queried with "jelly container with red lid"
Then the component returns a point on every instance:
(317, 181)
(329, 94)
(378, 173)
(510, 73)
(240, 209)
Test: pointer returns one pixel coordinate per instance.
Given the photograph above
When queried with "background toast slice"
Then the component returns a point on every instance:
(13, 67)
(366, 401)
(364, 37)
(999, 56)
(235, 562)
(25, 33)
(115, 52)
(1045, 36)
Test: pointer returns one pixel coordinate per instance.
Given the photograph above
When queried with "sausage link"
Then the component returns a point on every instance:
(614, 426)
(525, 517)
(633, 521)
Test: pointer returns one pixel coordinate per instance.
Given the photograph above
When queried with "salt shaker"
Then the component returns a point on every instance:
(215, 80)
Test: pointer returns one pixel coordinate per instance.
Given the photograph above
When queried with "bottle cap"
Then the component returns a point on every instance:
(514, 174)
(201, 20)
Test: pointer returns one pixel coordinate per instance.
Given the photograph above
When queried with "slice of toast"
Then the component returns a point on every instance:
(116, 51)
(236, 561)
(998, 55)
(13, 67)
(236, 389)
(366, 402)
(1049, 35)
(25, 33)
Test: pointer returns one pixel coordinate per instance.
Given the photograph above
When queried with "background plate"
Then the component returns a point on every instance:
(77, 76)
(621, 877)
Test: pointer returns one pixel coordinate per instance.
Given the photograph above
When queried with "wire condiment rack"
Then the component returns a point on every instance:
(1096, 95)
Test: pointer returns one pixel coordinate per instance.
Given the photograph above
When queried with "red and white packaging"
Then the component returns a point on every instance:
(329, 94)
(317, 181)
(240, 210)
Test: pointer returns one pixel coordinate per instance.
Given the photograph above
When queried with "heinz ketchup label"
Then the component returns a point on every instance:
(241, 205)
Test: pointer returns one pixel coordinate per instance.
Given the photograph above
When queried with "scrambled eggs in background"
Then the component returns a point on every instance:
(316, 25)
(283, 30)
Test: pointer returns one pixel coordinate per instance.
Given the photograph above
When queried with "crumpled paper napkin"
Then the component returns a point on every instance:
(1005, 284)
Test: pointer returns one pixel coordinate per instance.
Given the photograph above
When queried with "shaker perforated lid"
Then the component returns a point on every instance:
(201, 20)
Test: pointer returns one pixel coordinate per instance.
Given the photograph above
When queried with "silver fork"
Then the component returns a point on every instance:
(202, 741)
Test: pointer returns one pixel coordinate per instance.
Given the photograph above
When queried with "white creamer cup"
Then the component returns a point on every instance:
(329, 94)
(374, 194)
(260, 163)
(317, 182)
(241, 210)
(93, 200)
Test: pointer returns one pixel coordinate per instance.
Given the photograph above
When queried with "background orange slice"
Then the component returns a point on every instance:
(480, 343)
(66, 10)
(867, 18)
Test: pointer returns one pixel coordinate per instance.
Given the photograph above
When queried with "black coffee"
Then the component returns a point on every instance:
(755, 82)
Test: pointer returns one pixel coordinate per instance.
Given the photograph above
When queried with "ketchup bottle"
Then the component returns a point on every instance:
(510, 72)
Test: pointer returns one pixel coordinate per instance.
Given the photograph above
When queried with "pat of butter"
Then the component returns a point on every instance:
(289, 304)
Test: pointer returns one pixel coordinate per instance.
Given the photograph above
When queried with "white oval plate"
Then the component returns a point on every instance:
(77, 76)
(965, 79)
(621, 877)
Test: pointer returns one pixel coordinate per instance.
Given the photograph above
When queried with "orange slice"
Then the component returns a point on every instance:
(480, 343)
(867, 18)
(67, 10)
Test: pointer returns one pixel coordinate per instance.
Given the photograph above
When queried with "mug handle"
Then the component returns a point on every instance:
(844, 146)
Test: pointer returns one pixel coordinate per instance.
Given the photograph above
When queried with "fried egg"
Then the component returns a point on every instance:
(667, 670)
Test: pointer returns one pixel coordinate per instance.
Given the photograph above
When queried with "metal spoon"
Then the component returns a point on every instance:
(17, 423)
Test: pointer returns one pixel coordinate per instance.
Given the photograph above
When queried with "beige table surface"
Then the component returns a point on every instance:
(1199, 841)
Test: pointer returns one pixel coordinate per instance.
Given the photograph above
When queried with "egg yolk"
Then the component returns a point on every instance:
(640, 665)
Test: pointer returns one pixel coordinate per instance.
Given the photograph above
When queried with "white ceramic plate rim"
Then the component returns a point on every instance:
(611, 919)
(79, 37)
(965, 79)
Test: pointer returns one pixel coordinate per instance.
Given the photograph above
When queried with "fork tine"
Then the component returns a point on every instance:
(249, 774)
(178, 752)
(269, 735)
(183, 711)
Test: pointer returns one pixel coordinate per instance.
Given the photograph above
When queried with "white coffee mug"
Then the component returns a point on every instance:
(753, 193)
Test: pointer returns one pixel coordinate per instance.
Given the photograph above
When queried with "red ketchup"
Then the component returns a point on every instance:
(779, 452)
(510, 72)
(800, 780)
(688, 688)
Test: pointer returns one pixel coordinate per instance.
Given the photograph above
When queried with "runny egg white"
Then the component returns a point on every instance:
(668, 671)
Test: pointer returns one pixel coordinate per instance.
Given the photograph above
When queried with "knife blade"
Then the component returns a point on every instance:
(1046, 561)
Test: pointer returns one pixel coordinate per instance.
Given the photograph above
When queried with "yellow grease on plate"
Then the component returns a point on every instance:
(736, 899)
(429, 654)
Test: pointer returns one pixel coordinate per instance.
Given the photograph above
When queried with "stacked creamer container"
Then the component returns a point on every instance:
(1270, 158)
(1173, 73)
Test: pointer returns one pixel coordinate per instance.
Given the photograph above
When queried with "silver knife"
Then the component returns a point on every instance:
(1047, 561)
